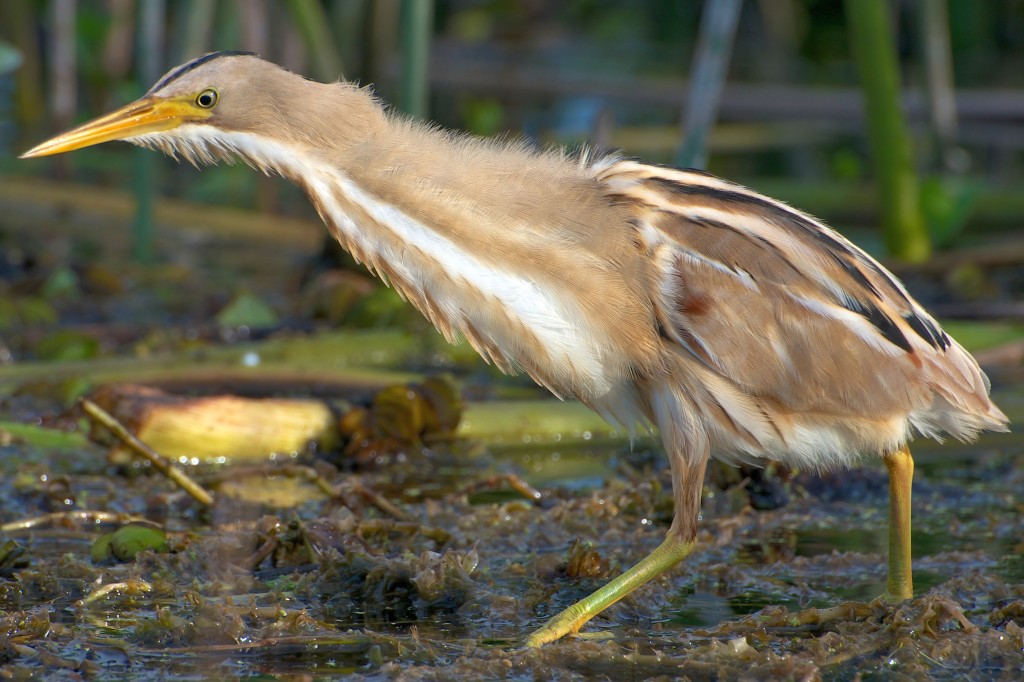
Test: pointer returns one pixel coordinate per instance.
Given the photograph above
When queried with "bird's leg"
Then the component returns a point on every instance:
(899, 585)
(687, 482)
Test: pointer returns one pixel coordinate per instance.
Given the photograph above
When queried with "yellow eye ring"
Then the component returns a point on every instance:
(207, 99)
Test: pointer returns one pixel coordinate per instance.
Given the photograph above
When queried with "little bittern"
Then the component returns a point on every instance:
(739, 327)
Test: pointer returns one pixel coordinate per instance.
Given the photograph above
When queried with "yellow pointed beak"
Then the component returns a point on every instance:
(146, 115)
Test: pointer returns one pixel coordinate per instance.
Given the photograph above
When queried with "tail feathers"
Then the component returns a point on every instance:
(944, 416)
(960, 406)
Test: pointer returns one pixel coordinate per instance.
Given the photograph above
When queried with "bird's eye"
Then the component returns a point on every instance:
(207, 98)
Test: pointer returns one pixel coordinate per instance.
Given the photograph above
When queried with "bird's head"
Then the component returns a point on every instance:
(199, 108)
(206, 91)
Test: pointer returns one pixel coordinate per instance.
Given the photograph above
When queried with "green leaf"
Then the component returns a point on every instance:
(246, 310)
(67, 344)
(947, 204)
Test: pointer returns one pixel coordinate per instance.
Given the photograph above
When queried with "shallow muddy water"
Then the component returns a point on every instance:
(450, 592)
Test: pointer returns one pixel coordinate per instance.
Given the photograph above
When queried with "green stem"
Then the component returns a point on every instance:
(707, 78)
(311, 20)
(417, 23)
(902, 221)
(150, 46)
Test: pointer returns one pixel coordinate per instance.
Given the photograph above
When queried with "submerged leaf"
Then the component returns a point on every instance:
(126, 542)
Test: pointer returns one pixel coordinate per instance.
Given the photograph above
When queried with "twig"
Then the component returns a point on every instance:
(368, 526)
(132, 586)
(159, 462)
(332, 491)
(261, 553)
(375, 498)
(82, 515)
(515, 482)
(311, 475)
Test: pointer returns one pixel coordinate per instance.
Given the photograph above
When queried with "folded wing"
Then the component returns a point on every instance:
(789, 313)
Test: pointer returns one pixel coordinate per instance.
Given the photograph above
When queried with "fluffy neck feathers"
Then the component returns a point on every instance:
(465, 230)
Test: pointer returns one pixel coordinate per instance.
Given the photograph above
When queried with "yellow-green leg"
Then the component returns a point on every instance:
(687, 482)
(668, 554)
(900, 584)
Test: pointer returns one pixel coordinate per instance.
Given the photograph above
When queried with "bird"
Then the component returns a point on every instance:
(670, 299)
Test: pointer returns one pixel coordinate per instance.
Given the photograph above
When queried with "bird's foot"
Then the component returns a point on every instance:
(890, 597)
(568, 622)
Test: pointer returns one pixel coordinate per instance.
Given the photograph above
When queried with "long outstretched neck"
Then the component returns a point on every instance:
(493, 202)
(396, 192)
(457, 225)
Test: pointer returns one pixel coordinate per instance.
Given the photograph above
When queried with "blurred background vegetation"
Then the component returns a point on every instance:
(642, 77)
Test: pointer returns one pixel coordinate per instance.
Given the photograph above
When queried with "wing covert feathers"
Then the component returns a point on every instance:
(789, 327)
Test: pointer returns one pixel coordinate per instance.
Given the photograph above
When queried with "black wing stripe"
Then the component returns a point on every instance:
(754, 239)
(785, 217)
(886, 326)
(928, 331)
(882, 322)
